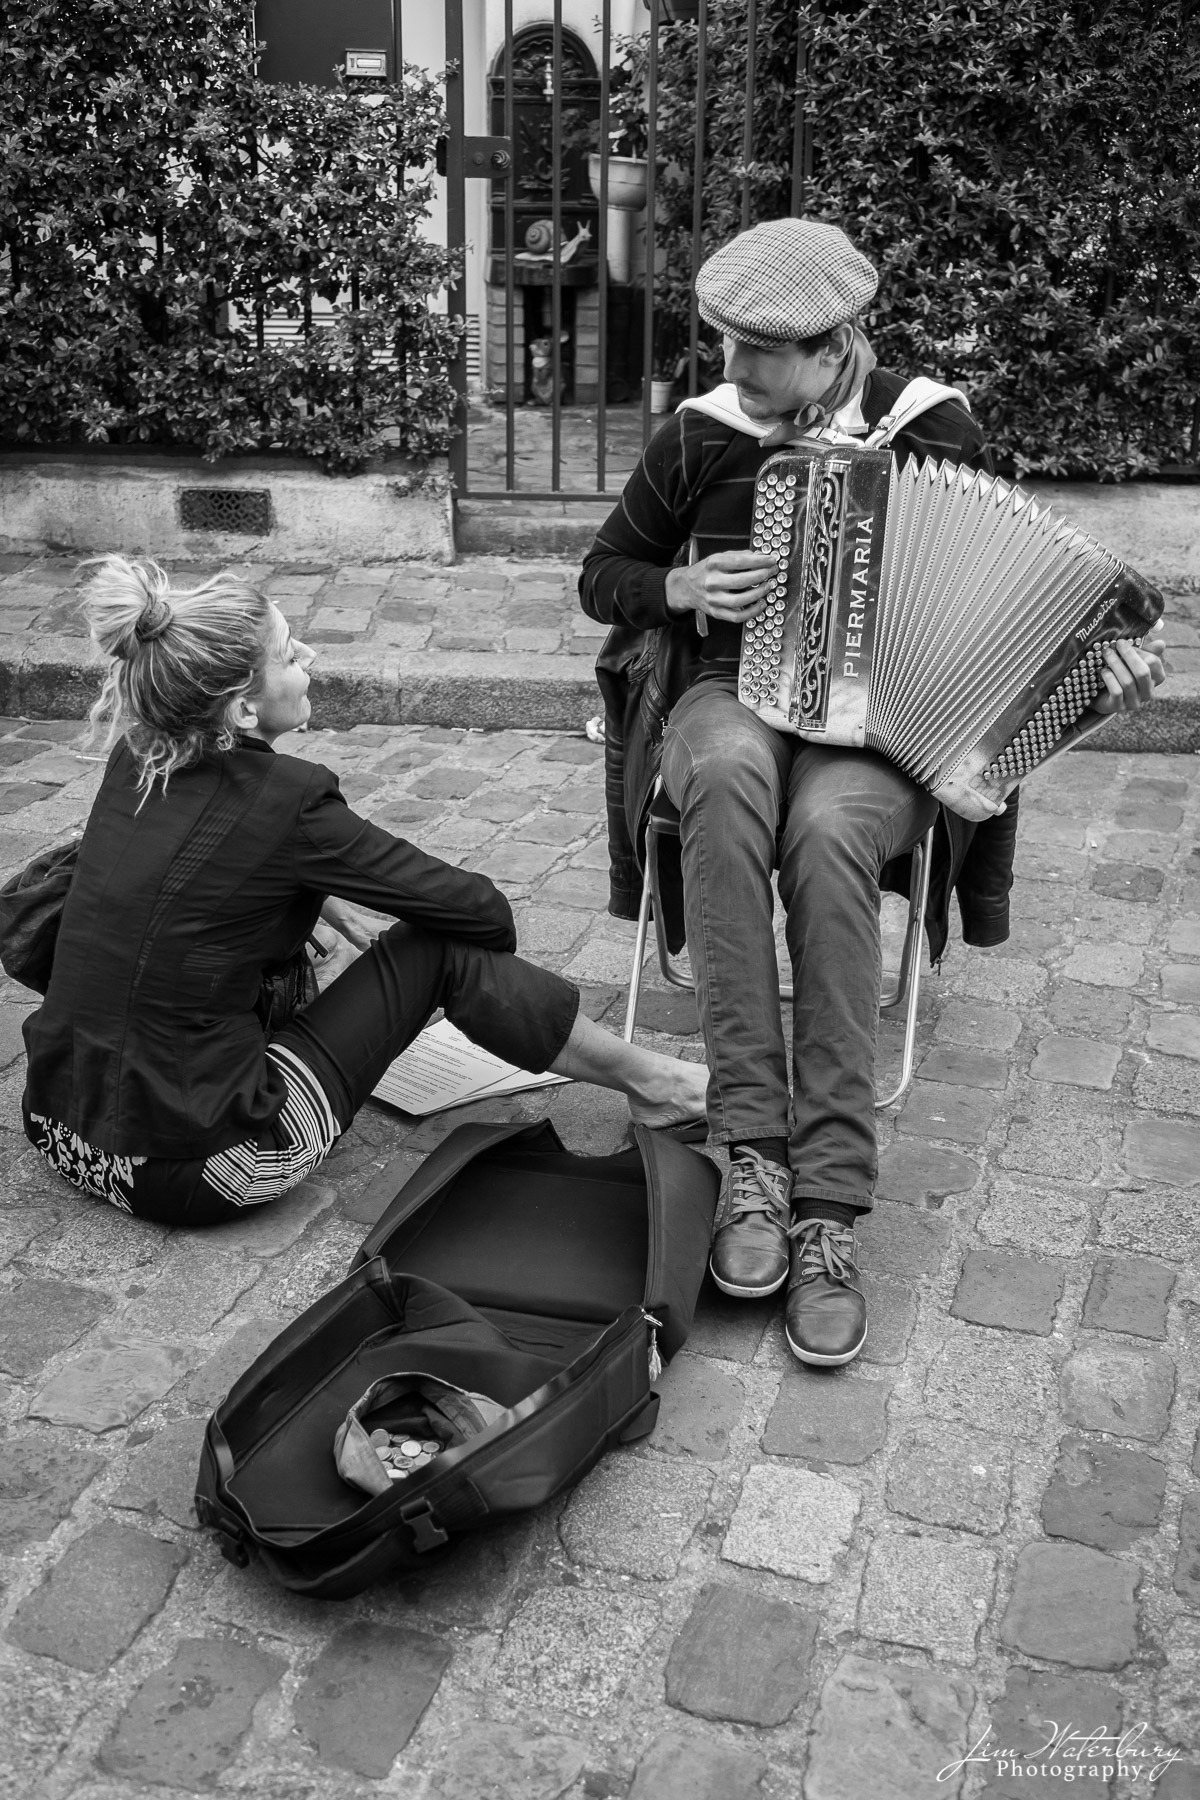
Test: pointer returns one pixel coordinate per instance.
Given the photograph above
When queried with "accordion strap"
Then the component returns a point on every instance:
(918, 397)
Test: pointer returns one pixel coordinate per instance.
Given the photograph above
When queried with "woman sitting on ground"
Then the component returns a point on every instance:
(155, 1080)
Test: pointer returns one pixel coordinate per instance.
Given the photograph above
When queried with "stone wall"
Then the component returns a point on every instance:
(282, 512)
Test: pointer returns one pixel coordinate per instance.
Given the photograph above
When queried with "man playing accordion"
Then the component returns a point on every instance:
(838, 824)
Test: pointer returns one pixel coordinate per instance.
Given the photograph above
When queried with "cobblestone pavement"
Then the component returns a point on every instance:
(493, 641)
(802, 1586)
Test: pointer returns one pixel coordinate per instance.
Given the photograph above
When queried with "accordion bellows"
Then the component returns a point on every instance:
(940, 616)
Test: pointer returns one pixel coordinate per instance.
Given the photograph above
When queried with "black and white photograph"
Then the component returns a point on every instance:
(599, 899)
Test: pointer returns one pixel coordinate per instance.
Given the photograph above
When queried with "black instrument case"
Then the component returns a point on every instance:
(552, 1283)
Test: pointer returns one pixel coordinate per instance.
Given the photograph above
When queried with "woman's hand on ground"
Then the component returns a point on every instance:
(343, 932)
(352, 923)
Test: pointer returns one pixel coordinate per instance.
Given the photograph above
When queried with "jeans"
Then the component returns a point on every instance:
(751, 798)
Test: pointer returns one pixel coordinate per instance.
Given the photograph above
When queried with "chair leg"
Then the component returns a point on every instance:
(909, 986)
(639, 954)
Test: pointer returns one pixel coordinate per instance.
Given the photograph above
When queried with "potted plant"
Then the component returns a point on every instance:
(670, 357)
(661, 394)
(664, 379)
(627, 144)
(626, 177)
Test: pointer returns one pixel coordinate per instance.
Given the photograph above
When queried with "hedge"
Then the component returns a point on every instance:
(1023, 172)
(157, 202)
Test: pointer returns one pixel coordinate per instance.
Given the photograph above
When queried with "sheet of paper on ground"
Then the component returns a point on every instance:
(443, 1069)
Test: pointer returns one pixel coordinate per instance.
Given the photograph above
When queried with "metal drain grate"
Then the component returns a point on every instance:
(244, 511)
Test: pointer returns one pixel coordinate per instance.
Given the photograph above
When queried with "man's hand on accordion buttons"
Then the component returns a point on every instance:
(729, 584)
(1130, 676)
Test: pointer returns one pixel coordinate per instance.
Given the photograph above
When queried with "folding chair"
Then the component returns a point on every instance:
(663, 821)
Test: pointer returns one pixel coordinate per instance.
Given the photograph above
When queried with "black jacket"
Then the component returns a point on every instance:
(148, 1042)
(696, 479)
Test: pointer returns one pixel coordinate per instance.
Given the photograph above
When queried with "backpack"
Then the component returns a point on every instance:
(506, 1268)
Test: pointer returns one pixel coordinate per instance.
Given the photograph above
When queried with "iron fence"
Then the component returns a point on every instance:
(596, 310)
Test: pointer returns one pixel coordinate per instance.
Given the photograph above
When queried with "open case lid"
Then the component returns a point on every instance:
(506, 1217)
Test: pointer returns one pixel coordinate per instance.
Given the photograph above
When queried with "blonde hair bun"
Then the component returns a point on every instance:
(177, 660)
(126, 604)
(155, 617)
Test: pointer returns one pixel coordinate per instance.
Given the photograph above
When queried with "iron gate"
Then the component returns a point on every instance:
(557, 256)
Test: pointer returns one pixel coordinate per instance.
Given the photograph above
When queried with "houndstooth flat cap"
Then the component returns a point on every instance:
(784, 280)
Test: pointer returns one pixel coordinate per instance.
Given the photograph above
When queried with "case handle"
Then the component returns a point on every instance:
(232, 1544)
(643, 1421)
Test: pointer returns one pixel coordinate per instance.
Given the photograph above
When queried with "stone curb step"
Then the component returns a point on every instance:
(530, 528)
(56, 679)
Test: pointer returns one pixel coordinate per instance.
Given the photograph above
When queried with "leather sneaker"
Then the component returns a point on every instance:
(826, 1313)
(749, 1244)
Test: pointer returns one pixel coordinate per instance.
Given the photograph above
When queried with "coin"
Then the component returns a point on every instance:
(410, 1447)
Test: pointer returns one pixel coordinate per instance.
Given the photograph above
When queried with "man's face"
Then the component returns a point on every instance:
(776, 383)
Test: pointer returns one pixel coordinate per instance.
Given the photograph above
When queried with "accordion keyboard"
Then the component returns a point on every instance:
(1053, 719)
(773, 535)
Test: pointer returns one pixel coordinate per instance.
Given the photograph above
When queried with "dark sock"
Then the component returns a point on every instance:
(772, 1149)
(832, 1211)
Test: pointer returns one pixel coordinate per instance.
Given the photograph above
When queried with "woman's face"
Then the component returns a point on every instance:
(281, 700)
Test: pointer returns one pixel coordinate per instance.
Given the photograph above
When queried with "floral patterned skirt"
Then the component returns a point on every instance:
(202, 1190)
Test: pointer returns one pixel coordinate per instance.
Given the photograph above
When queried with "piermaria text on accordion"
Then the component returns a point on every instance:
(860, 595)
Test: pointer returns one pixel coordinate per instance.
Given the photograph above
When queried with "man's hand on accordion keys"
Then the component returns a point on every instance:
(1130, 676)
(730, 584)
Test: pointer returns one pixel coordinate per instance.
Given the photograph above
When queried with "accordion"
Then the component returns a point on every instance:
(941, 617)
